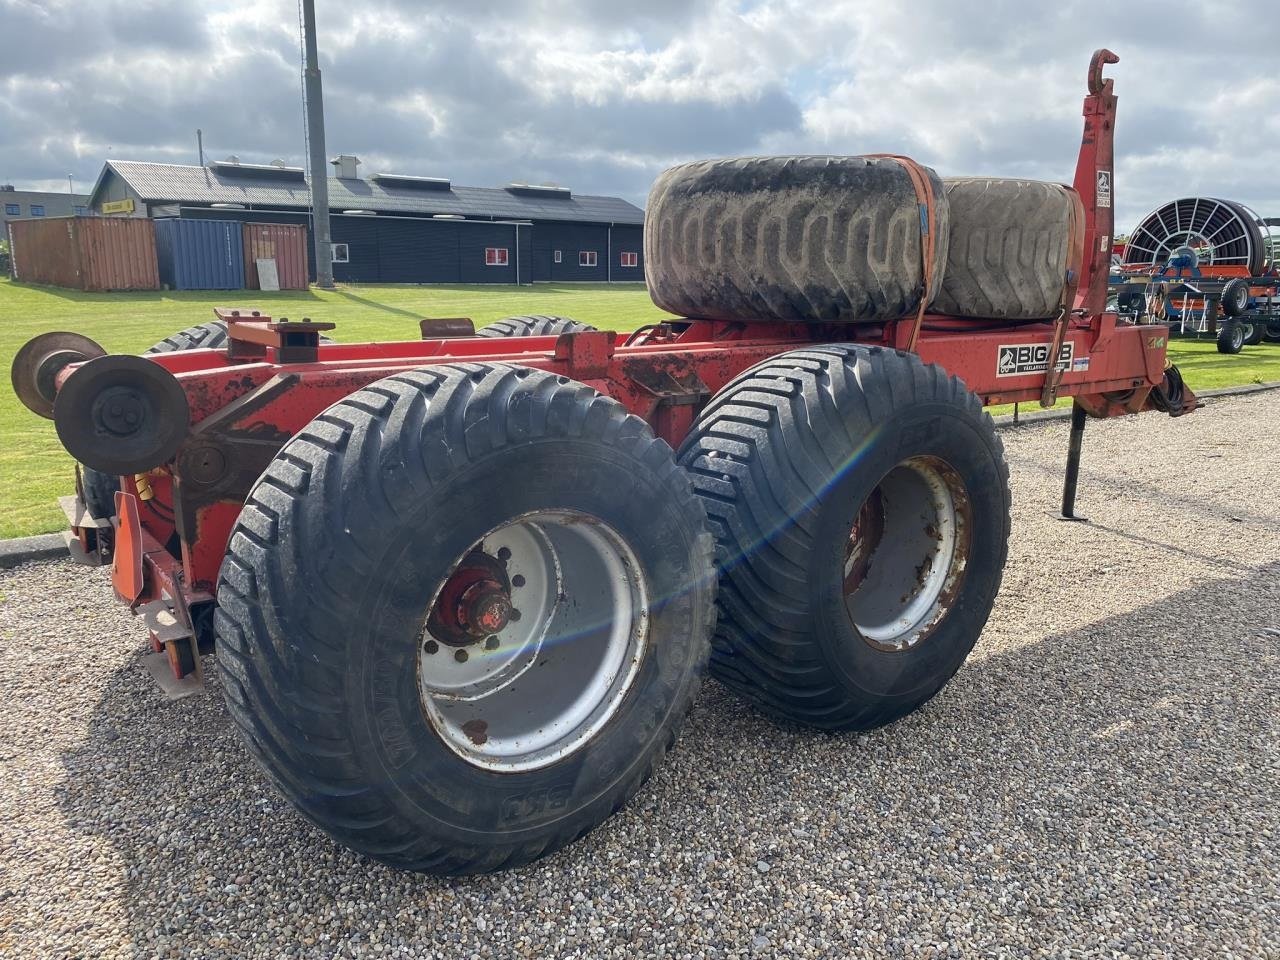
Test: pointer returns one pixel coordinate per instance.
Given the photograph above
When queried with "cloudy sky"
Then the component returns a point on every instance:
(600, 95)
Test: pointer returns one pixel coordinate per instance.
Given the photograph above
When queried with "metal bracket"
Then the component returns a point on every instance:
(671, 380)
(251, 333)
(587, 353)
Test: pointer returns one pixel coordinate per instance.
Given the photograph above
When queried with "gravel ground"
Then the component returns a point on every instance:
(1101, 779)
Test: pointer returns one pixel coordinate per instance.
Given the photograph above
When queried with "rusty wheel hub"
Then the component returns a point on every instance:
(474, 603)
(532, 641)
(907, 553)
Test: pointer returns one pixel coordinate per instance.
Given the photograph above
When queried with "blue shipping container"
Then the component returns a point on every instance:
(200, 254)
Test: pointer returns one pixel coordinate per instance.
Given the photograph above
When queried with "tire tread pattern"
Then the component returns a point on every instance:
(534, 325)
(789, 238)
(319, 506)
(760, 456)
(1009, 249)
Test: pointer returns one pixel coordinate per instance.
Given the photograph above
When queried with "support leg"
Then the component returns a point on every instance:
(1072, 477)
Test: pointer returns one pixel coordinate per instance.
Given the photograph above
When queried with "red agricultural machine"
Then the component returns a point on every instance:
(462, 589)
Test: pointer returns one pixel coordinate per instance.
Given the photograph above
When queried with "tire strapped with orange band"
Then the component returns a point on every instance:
(928, 232)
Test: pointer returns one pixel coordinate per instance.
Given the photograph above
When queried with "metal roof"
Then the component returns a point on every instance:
(178, 183)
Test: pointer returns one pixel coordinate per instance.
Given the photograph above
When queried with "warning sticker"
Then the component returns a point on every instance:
(1015, 360)
(1104, 188)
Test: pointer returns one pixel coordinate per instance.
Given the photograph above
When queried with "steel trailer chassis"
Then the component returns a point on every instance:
(190, 433)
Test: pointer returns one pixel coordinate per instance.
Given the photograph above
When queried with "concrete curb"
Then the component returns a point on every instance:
(24, 549)
(49, 545)
(1064, 413)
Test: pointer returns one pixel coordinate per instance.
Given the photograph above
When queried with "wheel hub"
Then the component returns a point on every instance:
(547, 621)
(906, 554)
(474, 603)
(484, 609)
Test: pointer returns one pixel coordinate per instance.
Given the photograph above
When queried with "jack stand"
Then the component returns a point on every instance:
(1072, 477)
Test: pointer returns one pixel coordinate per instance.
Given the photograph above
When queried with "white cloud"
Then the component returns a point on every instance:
(601, 96)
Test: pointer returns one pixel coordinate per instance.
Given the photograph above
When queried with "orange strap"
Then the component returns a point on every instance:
(928, 232)
(1075, 251)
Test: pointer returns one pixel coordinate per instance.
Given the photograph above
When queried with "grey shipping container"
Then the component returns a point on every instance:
(200, 254)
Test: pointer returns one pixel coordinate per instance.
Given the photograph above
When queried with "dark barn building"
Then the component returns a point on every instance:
(392, 228)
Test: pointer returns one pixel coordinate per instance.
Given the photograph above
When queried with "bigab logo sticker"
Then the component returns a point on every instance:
(1015, 360)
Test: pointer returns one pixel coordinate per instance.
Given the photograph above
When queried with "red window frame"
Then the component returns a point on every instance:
(587, 258)
(629, 259)
(496, 256)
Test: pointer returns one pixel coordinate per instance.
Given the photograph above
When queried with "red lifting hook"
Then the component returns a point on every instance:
(1100, 59)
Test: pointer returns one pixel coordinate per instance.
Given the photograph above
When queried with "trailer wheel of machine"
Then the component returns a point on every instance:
(1253, 332)
(861, 505)
(1235, 297)
(1230, 336)
(463, 614)
(536, 325)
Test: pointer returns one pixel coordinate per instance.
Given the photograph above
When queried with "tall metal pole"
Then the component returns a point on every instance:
(319, 163)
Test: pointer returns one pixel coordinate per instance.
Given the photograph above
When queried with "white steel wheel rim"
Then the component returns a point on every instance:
(907, 554)
(562, 666)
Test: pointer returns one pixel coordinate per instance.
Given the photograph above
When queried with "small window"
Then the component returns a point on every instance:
(586, 258)
(37, 209)
(495, 256)
(558, 257)
(81, 211)
(340, 254)
(12, 210)
(630, 259)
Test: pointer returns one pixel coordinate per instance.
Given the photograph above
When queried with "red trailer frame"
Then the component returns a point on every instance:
(243, 403)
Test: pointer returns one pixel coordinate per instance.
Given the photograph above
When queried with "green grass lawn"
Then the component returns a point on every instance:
(34, 470)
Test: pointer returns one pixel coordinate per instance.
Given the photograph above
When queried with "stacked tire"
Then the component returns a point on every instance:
(842, 239)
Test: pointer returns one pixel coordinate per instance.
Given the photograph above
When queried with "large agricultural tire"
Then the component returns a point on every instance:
(537, 325)
(334, 648)
(1254, 331)
(1230, 336)
(1235, 297)
(790, 238)
(860, 502)
(1012, 244)
(1273, 331)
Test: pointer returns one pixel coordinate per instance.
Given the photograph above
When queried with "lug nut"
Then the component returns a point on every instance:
(431, 646)
(460, 655)
(517, 581)
(513, 615)
(504, 554)
(491, 643)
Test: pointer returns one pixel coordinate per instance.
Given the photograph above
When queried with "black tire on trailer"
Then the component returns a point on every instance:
(1235, 297)
(99, 491)
(201, 336)
(860, 502)
(536, 325)
(1254, 331)
(1230, 336)
(1273, 330)
(786, 238)
(345, 670)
